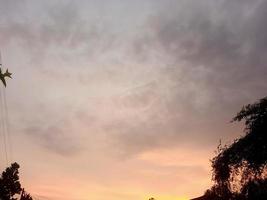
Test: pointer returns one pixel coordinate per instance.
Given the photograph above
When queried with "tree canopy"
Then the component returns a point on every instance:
(10, 185)
(239, 169)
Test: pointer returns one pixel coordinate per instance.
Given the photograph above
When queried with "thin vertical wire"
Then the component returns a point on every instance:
(3, 128)
(0, 59)
(7, 126)
(4, 123)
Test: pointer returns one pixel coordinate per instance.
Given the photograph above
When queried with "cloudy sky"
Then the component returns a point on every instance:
(127, 99)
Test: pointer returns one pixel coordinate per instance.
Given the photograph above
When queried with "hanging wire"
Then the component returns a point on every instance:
(3, 129)
(7, 124)
(4, 121)
(0, 59)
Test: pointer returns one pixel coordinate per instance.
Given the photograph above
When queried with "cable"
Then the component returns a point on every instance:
(4, 123)
(7, 124)
(0, 58)
(3, 128)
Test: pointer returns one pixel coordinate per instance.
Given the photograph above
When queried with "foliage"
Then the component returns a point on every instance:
(256, 189)
(239, 170)
(10, 185)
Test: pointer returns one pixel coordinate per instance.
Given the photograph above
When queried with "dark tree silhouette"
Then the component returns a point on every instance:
(10, 185)
(239, 170)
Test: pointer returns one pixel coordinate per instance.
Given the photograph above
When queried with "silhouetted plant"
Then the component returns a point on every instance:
(239, 170)
(10, 185)
(255, 189)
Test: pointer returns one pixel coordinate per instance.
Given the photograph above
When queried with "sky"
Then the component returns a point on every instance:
(123, 99)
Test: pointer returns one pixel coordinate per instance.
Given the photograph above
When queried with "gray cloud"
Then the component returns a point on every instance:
(52, 27)
(227, 39)
(202, 60)
(55, 138)
(215, 62)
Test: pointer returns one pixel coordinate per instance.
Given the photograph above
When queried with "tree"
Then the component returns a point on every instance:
(239, 170)
(10, 185)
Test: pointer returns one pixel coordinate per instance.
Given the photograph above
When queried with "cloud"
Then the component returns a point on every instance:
(56, 128)
(223, 41)
(213, 55)
(52, 28)
(141, 87)
(55, 138)
(190, 67)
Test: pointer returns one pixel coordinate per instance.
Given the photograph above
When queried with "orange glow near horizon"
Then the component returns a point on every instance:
(167, 174)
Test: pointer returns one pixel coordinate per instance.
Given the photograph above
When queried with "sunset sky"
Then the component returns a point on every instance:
(127, 99)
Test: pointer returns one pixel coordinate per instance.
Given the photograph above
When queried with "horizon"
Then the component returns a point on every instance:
(127, 99)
